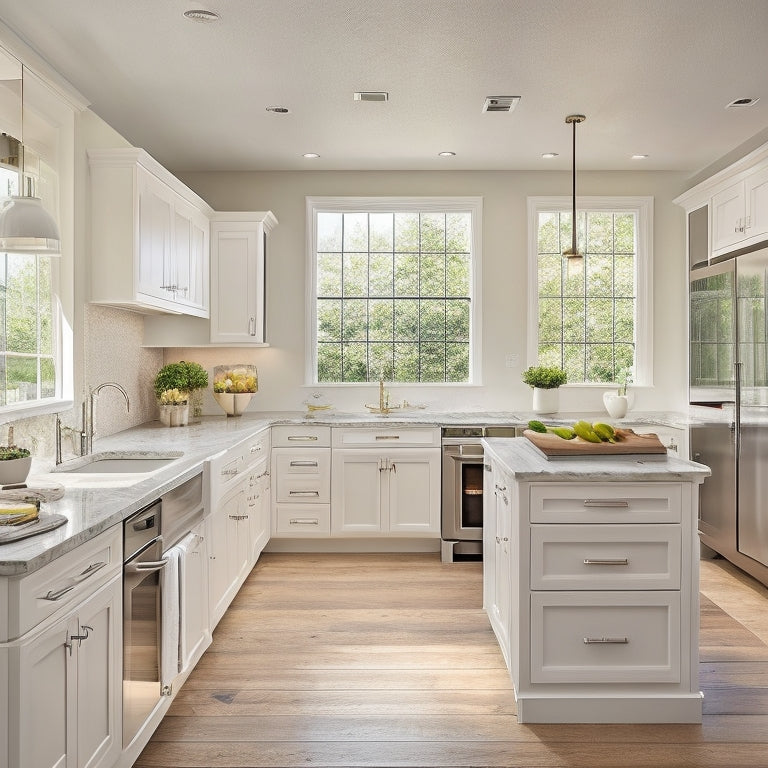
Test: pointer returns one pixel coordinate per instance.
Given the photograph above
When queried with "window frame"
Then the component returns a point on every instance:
(643, 318)
(44, 102)
(320, 204)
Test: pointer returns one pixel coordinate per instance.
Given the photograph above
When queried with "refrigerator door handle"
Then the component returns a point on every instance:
(737, 408)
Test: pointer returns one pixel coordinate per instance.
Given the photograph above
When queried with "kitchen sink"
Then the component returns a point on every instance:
(107, 467)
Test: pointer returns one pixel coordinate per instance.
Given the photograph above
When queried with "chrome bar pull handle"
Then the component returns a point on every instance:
(606, 561)
(606, 640)
(303, 464)
(607, 503)
(304, 521)
(303, 493)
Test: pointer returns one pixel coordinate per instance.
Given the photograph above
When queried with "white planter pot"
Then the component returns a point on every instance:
(233, 404)
(14, 471)
(174, 415)
(546, 400)
(616, 405)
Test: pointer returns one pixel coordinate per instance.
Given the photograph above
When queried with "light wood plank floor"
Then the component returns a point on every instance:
(389, 660)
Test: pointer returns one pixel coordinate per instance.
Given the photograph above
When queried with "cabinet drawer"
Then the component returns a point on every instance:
(304, 489)
(65, 581)
(302, 519)
(605, 637)
(605, 556)
(308, 462)
(397, 437)
(255, 449)
(290, 436)
(606, 503)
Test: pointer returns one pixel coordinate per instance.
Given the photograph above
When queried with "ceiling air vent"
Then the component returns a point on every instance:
(370, 96)
(500, 103)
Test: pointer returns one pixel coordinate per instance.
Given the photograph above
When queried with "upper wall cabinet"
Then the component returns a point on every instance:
(149, 236)
(238, 277)
(737, 203)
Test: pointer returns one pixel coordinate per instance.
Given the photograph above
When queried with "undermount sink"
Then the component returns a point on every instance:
(122, 466)
(112, 463)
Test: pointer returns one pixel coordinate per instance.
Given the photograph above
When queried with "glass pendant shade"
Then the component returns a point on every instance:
(26, 227)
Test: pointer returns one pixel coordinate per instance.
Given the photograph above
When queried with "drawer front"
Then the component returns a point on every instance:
(66, 581)
(302, 519)
(397, 437)
(255, 449)
(303, 489)
(286, 436)
(598, 637)
(606, 503)
(306, 462)
(605, 556)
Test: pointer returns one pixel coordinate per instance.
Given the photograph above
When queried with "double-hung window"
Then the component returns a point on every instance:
(394, 289)
(592, 316)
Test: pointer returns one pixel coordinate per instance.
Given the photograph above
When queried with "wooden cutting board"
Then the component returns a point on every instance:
(630, 444)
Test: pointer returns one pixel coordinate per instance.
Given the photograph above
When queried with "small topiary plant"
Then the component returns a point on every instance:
(182, 376)
(544, 377)
(7, 453)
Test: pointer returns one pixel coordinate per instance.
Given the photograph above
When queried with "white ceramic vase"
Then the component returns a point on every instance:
(234, 404)
(616, 405)
(173, 415)
(15, 471)
(546, 400)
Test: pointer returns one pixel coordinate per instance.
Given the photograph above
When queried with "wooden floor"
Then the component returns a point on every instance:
(389, 660)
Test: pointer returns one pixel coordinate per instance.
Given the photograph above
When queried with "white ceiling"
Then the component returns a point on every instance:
(652, 77)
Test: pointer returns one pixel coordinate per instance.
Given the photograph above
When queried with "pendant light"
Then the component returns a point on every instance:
(25, 226)
(572, 253)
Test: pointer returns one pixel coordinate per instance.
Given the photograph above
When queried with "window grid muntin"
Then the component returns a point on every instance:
(424, 346)
(545, 346)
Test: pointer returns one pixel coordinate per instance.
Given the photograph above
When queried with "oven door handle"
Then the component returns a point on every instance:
(146, 567)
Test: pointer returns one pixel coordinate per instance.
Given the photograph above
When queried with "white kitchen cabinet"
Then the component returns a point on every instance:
(238, 277)
(149, 236)
(195, 634)
(301, 488)
(594, 593)
(385, 490)
(238, 483)
(65, 685)
(728, 218)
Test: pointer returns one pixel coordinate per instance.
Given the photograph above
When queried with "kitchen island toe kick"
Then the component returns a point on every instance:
(591, 584)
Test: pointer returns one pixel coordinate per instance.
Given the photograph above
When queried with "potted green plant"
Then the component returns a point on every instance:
(174, 386)
(15, 462)
(545, 381)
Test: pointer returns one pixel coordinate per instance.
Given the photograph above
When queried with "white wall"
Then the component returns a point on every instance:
(505, 259)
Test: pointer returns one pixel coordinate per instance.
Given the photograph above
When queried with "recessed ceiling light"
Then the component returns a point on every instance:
(549, 155)
(746, 102)
(310, 155)
(201, 15)
(446, 154)
(279, 110)
(639, 157)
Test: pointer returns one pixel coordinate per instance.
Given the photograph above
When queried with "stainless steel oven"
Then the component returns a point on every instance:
(462, 490)
(142, 622)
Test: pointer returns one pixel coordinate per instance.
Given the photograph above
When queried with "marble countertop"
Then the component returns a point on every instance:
(526, 462)
(90, 510)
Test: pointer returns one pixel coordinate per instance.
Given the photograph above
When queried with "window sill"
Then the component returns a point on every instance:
(10, 413)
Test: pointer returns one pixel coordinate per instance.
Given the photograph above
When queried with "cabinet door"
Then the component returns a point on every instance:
(414, 491)
(190, 263)
(99, 679)
(757, 204)
(194, 614)
(155, 221)
(218, 571)
(45, 690)
(237, 285)
(258, 502)
(502, 559)
(728, 212)
(357, 491)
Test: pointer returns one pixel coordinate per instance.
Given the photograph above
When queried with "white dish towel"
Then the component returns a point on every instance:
(169, 657)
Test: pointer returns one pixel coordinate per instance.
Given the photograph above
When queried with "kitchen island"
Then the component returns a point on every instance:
(590, 581)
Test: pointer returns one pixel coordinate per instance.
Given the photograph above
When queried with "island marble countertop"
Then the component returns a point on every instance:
(90, 510)
(525, 462)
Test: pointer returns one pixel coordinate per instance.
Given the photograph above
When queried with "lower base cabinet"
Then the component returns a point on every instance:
(65, 688)
(592, 591)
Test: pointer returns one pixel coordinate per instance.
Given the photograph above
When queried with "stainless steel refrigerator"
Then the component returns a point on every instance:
(729, 372)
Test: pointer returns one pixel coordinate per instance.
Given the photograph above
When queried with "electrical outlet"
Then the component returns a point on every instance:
(513, 360)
